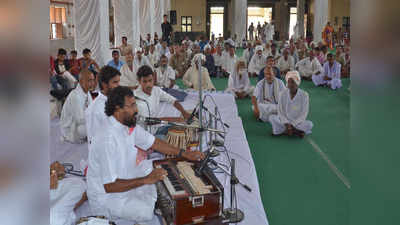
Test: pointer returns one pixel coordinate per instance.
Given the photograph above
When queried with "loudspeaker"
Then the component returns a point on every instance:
(172, 17)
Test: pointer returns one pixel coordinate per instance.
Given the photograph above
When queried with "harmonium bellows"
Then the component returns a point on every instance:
(185, 198)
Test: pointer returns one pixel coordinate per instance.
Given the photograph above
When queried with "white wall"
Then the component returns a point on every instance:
(67, 44)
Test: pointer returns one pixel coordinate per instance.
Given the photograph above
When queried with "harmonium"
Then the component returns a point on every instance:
(185, 198)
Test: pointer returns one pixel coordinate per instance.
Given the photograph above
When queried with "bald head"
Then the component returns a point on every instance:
(87, 80)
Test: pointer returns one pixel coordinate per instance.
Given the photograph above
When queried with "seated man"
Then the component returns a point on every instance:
(152, 56)
(165, 74)
(125, 48)
(293, 106)
(178, 62)
(62, 69)
(164, 50)
(210, 63)
(115, 62)
(72, 121)
(120, 182)
(266, 95)
(274, 52)
(228, 66)
(309, 66)
(257, 62)
(285, 63)
(239, 82)
(331, 74)
(74, 63)
(248, 52)
(191, 77)
(108, 79)
(153, 96)
(128, 73)
(218, 60)
(141, 60)
(86, 62)
(66, 195)
(271, 64)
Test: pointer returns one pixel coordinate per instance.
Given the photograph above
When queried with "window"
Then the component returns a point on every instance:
(57, 21)
(186, 23)
(216, 21)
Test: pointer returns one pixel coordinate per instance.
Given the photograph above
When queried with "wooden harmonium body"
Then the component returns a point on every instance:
(186, 198)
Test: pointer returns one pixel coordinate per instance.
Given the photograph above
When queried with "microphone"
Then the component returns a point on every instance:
(199, 170)
(148, 120)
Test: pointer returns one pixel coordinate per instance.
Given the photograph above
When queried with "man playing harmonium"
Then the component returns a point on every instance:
(153, 96)
(120, 182)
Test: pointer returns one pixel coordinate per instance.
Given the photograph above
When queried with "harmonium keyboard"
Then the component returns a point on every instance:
(185, 198)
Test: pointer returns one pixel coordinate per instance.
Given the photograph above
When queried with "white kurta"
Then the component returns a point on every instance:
(246, 55)
(229, 64)
(191, 77)
(144, 61)
(307, 67)
(153, 58)
(114, 158)
(257, 63)
(153, 101)
(128, 76)
(292, 111)
(284, 65)
(237, 84)
(63, 200)
(333, 72)
(218, 59)
(267, 96)
(72, 121)
(164, 78)
(95, 116)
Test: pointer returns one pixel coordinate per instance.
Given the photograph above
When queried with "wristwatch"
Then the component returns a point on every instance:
(180, 152)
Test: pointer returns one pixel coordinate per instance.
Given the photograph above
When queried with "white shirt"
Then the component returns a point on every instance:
(144, 61)
(264, 91)
(164, 78)
(128, 76)
(115, 158)
(218, 59)
(157, 96)
(153, 58)
(284, 65)
(293, 111)
(257, 63)
(309, 67)
(95, 116)
(235, 83)
(72, 121)
(229, 64)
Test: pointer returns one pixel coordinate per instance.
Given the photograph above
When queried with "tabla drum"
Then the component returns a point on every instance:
(177, 136)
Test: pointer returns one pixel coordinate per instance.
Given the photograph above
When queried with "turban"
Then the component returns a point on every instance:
(207, 46)
(294, 75)
(197, 57)
(259, 48)
(138, 49)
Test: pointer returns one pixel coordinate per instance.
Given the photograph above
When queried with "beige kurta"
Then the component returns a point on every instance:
(125, 49)
(191, 77)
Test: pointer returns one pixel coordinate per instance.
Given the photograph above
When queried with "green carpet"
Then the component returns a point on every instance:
(297, 186)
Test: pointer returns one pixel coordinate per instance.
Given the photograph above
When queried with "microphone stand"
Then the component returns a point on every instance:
(232, 214)
(200, 105)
